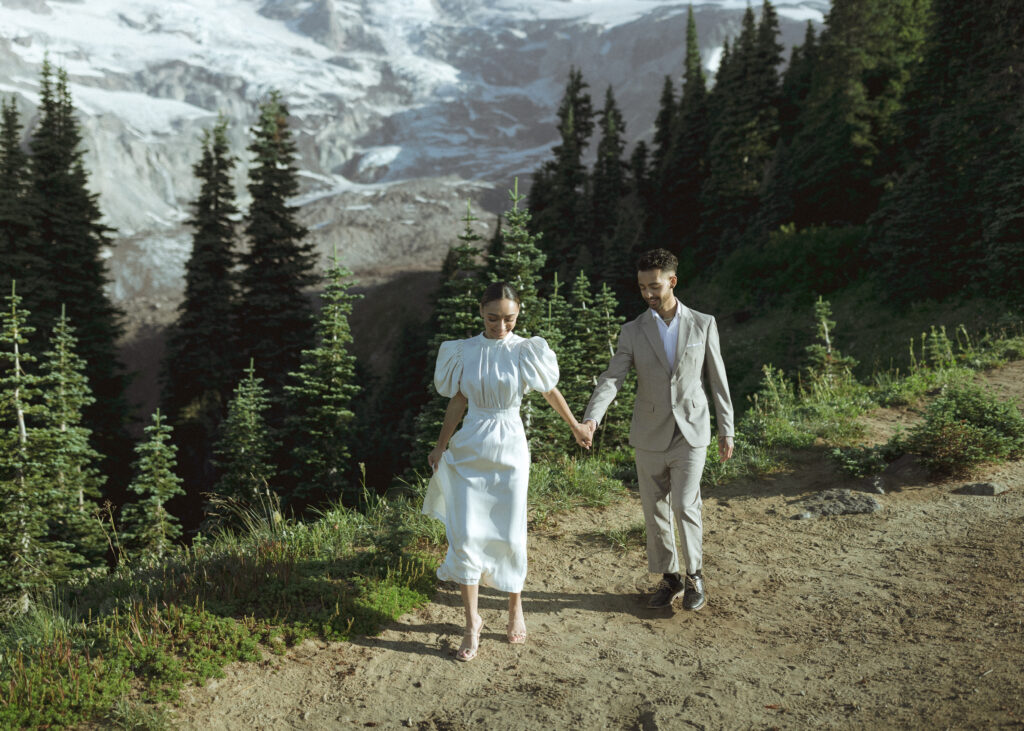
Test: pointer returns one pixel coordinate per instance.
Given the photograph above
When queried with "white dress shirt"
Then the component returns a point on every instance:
(669, 333)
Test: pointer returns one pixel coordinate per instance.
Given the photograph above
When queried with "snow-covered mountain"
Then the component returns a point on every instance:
(402, 109)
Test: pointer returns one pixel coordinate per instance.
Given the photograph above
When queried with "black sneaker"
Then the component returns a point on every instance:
(669, 588)
(695, 597)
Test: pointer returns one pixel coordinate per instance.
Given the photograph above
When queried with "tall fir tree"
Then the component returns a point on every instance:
(664, 126)
(520, 263)
(744, 117)
(71, 465)
(19, 250)
(200, 357)
(777, 205)
(639, 172)
(149, 529)
(320, 428)
(72, 241)
(545, 431)
(846, 149)
(597, 331)
(559, 201)
(275, 315)
(955, 219)
(245, 448)
(457, 316)
(29, 563)
(608, 179)
(497, 242)
(686, 167)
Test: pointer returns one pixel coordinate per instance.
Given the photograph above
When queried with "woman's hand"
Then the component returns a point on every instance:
(584, 435)
(434, 458)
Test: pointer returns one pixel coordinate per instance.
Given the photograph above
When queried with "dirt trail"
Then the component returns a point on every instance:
(912, 617)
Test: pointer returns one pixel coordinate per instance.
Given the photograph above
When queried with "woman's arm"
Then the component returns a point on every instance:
(557, 401)
(452, 416)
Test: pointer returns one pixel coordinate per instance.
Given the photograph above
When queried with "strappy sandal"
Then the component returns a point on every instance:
(470, 643)
(516, 638)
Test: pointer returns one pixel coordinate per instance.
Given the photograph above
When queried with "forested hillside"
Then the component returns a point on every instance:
(853, 215)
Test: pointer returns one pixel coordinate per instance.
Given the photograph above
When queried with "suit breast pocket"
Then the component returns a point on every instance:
(644, 407)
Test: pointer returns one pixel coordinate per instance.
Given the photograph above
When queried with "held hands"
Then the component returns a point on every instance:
(584, 433)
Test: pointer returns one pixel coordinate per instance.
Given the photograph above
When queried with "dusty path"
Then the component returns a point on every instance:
(912, 617)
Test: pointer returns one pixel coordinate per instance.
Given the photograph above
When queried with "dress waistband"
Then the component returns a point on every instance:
(479, 412)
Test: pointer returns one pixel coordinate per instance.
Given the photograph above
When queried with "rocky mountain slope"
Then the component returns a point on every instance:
(403, 109)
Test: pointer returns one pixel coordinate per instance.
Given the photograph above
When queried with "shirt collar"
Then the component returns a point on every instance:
(675, 318)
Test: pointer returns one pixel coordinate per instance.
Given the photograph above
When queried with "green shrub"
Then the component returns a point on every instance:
(803, 264)
(964, 426)
(864, 461)
(567, 482)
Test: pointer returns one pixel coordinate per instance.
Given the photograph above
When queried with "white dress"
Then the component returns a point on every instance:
(479, 488)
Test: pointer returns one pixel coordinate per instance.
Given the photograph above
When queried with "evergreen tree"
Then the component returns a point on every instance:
(457, 314)
(954, 219)
(497, 242)
(796, 84)
(245, 449)
(777, 202)
(561, 198)
(520, 264)
(639, 173)
(388, 419)
(545, 430)
(320, 429)
(620, 249)
(686, 168)
(149, 530)
(23, 496)
(744, 115)
(576, 357)
(825, 362)
(71, 462)
(72, 242)
(847, 144)
(664, 127)
(608, 186)
(275, 316)
(200, 351)
(596, 333)
(19, 250)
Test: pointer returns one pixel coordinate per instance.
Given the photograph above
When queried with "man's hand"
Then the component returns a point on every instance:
(725, 448)
(583, 434)
(589, 427)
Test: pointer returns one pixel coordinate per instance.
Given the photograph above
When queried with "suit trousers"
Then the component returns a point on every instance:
(670, 492)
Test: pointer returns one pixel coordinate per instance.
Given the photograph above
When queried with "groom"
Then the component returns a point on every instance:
(675, 352)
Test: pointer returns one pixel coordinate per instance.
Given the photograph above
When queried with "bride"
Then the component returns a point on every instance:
(481, 473)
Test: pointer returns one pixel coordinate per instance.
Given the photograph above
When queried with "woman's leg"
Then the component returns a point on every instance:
(516, 621)
(474, 623)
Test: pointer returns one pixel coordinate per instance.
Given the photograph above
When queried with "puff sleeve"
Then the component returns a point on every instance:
(448, 371)
(538, 366)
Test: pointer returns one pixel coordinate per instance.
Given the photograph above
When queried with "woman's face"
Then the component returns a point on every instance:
(499, 317)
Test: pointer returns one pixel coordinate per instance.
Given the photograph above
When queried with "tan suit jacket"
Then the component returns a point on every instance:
(668, 394)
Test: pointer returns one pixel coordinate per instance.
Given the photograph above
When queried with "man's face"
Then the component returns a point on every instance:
(656, 288)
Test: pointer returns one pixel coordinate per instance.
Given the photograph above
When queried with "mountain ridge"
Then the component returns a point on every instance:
(436, 95)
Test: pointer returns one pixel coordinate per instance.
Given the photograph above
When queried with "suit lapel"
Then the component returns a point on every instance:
(685, 330)
(650, 329)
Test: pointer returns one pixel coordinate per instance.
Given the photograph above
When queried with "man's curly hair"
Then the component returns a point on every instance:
(657, 259)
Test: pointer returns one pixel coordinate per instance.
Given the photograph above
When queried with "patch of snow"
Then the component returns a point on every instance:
(714, 59)
(143, 113)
